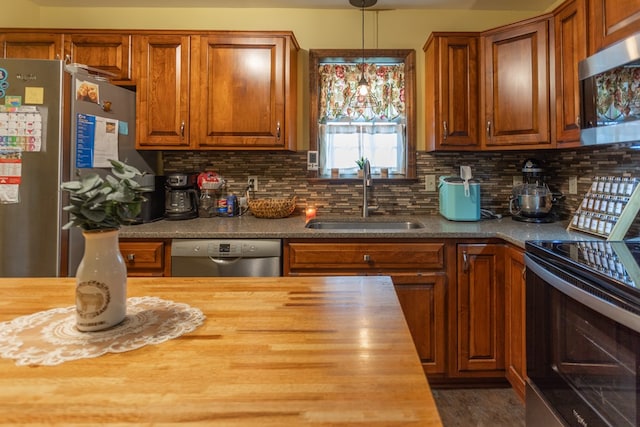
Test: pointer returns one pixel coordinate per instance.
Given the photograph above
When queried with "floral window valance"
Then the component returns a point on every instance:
(339, 100)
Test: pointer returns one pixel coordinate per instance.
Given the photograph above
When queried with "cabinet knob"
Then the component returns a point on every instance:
(131, 257)
(367, 258)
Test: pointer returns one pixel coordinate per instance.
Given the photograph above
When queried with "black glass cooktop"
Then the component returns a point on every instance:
(615, 265)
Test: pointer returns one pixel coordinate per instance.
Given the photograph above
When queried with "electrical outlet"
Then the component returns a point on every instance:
(573, 185)
(430, 183)
(517, 180)
(252, 182)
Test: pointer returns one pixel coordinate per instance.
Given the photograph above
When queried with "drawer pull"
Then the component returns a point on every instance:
(131, 257)
(367, 258)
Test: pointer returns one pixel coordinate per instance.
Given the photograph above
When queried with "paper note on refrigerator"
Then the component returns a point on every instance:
(10, 175)
(106, 142)
(96, 141)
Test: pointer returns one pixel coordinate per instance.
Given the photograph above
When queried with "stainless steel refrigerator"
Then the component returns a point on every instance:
(73, 119)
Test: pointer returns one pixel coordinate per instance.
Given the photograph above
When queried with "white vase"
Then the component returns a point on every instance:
(101, 282)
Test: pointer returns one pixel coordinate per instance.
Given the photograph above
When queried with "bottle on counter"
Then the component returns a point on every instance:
(221, 202)
(207, 201)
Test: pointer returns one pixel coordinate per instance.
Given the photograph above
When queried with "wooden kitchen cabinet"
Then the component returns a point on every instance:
(146, 257)
(452, 92)
(251, 98)
(419, 272)
(515, 333)
(218, 90)
(570, 40)
(163, 89)
(109, 52)
(477, 341)
(611, 21)
(31, 44)
(515, 86)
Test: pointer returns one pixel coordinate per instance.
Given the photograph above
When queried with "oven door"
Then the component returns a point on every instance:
(582, 352)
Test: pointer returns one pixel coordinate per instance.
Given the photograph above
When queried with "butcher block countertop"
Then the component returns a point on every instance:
(285, 351)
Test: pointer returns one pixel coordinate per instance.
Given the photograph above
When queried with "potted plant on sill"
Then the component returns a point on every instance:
(360, 162)
(100, 206)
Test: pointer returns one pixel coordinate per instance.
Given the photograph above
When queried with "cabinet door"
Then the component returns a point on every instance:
(242, 101)
(422, 298)
(480, 311)
(452, 92)
(162, 101)
(107, 52)
(570, 48)
(515, 337)
(516, 87)
(146, 258)
(31, 45)
(611, 21)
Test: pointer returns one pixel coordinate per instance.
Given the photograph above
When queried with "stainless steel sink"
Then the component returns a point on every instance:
(363, 224)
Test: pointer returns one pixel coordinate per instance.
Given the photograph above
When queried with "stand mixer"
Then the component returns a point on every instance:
(532, 200)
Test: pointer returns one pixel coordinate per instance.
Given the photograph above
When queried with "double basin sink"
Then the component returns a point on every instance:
(363, 224)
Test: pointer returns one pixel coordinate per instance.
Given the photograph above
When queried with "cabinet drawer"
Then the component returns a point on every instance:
(144, 258)
(366, 256)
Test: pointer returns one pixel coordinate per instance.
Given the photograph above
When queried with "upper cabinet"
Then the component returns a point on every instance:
(570, 42)
(110, 52)
(515, 86)
(31, 44)
(611, 21)
(228, 90)
(452, 95)
(105, 50)
(163, 90)
(250, 102)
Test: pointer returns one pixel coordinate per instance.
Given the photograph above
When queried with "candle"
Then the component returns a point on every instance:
(310, 213)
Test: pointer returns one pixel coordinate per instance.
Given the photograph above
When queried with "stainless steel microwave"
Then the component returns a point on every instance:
(610, 94)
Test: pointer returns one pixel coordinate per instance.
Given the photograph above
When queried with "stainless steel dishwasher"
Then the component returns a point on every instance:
(226, 258)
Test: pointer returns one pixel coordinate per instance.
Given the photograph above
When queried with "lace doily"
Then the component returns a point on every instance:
(51, 338)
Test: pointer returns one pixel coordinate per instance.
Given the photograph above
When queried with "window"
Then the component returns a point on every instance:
(346, 126)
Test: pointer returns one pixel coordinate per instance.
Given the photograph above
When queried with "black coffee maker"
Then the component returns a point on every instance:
(181, 196)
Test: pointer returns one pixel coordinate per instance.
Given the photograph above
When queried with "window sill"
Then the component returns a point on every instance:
(351, 180)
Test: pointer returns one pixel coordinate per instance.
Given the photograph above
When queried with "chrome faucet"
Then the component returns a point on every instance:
(366, 183)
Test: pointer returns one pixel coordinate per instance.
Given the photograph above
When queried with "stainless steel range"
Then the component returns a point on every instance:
(583, 325)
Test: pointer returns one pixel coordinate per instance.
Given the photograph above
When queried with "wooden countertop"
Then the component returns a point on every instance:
(272, 352)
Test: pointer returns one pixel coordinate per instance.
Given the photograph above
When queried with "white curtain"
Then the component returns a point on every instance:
(342, 143)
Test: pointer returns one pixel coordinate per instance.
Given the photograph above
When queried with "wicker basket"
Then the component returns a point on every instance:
(272, 208)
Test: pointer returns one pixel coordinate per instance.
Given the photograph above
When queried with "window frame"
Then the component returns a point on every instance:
(379, 56)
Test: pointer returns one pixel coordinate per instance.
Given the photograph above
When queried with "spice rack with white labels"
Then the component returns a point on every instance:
(609, 208)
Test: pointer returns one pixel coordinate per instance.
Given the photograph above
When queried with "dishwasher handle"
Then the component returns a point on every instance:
(225, 261)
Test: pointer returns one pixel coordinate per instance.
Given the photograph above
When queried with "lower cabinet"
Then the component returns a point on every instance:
(515, 319)
(452, 295)
(419, 273)
(477, 343)
(146, 257)
(423, 301)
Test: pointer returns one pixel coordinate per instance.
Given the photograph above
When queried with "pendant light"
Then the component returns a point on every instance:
(363, 85)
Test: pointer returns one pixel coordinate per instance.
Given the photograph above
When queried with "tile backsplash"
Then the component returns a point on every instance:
(284, 174)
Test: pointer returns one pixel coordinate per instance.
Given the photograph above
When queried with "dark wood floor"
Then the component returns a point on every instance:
(479, 407)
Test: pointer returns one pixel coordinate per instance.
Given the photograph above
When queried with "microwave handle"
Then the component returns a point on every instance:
(607, 309)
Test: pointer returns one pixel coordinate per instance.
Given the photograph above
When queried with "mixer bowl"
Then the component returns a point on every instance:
(535, 205)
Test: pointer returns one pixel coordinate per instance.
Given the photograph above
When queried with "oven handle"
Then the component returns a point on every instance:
(607, 309)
